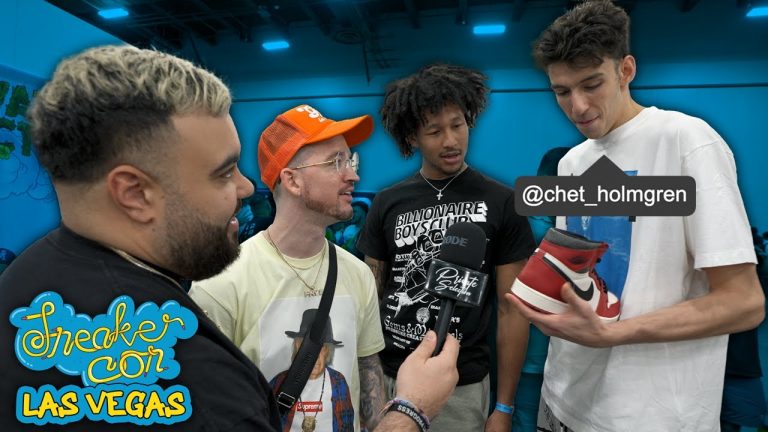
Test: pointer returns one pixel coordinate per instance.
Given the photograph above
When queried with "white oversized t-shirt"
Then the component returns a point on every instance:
(652, 263)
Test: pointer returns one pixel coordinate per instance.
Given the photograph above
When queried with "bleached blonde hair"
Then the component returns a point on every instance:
(112, 105)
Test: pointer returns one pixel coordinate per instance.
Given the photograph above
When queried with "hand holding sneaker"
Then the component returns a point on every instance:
(579, 323)
(565, 257)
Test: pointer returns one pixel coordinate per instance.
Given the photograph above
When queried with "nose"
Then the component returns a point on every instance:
(350, 175)
(579, 103)
(244, 186)
(451, 138)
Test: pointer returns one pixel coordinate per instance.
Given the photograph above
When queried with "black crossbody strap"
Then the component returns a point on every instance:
(305, 359)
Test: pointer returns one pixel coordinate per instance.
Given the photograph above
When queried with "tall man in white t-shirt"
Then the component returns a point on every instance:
(684, 282)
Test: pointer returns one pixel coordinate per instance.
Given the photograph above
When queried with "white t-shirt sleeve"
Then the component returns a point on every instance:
(717, 233)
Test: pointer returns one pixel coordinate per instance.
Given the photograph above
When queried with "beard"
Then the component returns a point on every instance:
(197, 249)
(333, 210)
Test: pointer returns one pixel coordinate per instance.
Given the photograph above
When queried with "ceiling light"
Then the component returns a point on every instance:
(758, 11)
(489, 29)
(276, 45)
(113, 13)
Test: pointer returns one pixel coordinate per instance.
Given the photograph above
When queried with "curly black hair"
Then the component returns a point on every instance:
(409, 100)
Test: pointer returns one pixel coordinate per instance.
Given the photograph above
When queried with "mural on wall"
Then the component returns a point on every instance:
(27, 198)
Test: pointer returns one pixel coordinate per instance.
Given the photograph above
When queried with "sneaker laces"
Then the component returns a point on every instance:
(601, 281)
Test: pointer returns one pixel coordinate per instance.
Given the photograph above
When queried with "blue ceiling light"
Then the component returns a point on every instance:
(758, 11)
(276, 45)
(113, 13)
(489, 29)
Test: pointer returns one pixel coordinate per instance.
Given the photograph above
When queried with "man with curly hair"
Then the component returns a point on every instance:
(684, 282)
(432, 111)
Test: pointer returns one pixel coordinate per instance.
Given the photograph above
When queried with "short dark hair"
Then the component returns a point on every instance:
(584, 36)
(407, 101)
(111, 105)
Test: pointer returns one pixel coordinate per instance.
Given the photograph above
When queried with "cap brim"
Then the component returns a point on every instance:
(355, 130)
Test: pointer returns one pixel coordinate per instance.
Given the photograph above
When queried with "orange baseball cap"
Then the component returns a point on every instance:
(299, 127)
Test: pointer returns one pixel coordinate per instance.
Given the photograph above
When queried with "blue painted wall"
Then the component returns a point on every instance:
(35, 36)
(711, 63)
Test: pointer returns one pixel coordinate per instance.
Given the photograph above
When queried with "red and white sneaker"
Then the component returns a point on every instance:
(565, 257)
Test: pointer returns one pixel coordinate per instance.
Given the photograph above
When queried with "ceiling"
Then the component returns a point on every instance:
(169, 24)
(378, 35)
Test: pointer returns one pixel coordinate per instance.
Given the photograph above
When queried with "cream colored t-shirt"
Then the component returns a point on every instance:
(258, 298)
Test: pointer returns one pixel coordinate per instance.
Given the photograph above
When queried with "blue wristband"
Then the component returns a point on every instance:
(506, 409)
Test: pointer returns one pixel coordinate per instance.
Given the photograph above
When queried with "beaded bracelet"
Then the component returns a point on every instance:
(404, 406)
(504, 408)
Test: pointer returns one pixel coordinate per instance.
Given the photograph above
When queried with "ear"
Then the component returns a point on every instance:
(627, 70)
(134, 193)
(291, 181)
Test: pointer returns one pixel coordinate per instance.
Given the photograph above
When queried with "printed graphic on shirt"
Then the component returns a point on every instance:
(418, 236)
(617, 232)
(410, 226)
(326, 401)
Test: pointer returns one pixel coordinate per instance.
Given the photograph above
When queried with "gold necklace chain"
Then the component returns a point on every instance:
(135, 261)
(308, 424)
(310, 290)
(440, 190)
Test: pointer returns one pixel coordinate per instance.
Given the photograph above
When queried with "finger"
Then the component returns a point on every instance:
(451, 348)
(578, 304)
(568, 294)
(519, 305)
(427, 346)
(526, 311)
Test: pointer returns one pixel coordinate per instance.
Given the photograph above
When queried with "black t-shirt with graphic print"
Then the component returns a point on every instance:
(405, 227)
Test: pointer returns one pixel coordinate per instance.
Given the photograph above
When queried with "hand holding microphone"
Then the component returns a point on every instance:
(455, 276)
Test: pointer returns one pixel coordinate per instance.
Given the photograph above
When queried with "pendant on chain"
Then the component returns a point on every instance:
(308, 424)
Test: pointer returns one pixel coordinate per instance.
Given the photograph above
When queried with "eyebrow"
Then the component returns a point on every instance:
(452, 120)
(589, 78)
(342, 152)
(233, 159)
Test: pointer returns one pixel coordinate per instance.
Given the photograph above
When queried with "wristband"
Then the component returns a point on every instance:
(404, 406)
(506, 409)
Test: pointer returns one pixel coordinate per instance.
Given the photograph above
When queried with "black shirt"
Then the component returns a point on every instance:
(405, 227)
(227, 391)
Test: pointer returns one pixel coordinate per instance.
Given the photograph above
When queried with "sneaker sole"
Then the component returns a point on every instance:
(537, 300)
(544, 303)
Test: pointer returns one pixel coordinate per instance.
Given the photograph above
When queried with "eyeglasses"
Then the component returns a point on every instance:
(341, 161)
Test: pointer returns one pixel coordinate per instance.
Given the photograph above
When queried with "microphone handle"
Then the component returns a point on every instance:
(443, 322)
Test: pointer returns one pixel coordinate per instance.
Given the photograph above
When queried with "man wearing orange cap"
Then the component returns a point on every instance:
(305, 160)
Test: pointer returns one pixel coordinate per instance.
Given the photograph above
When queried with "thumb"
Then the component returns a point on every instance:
(569, 296)
(427, 346)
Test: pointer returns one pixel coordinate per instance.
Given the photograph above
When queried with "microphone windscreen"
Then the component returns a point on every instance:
(464, 245)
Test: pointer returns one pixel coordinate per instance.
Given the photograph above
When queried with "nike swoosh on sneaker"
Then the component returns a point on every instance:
(585, 294)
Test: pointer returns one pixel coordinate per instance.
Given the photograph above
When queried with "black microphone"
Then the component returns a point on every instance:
(454, 276)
